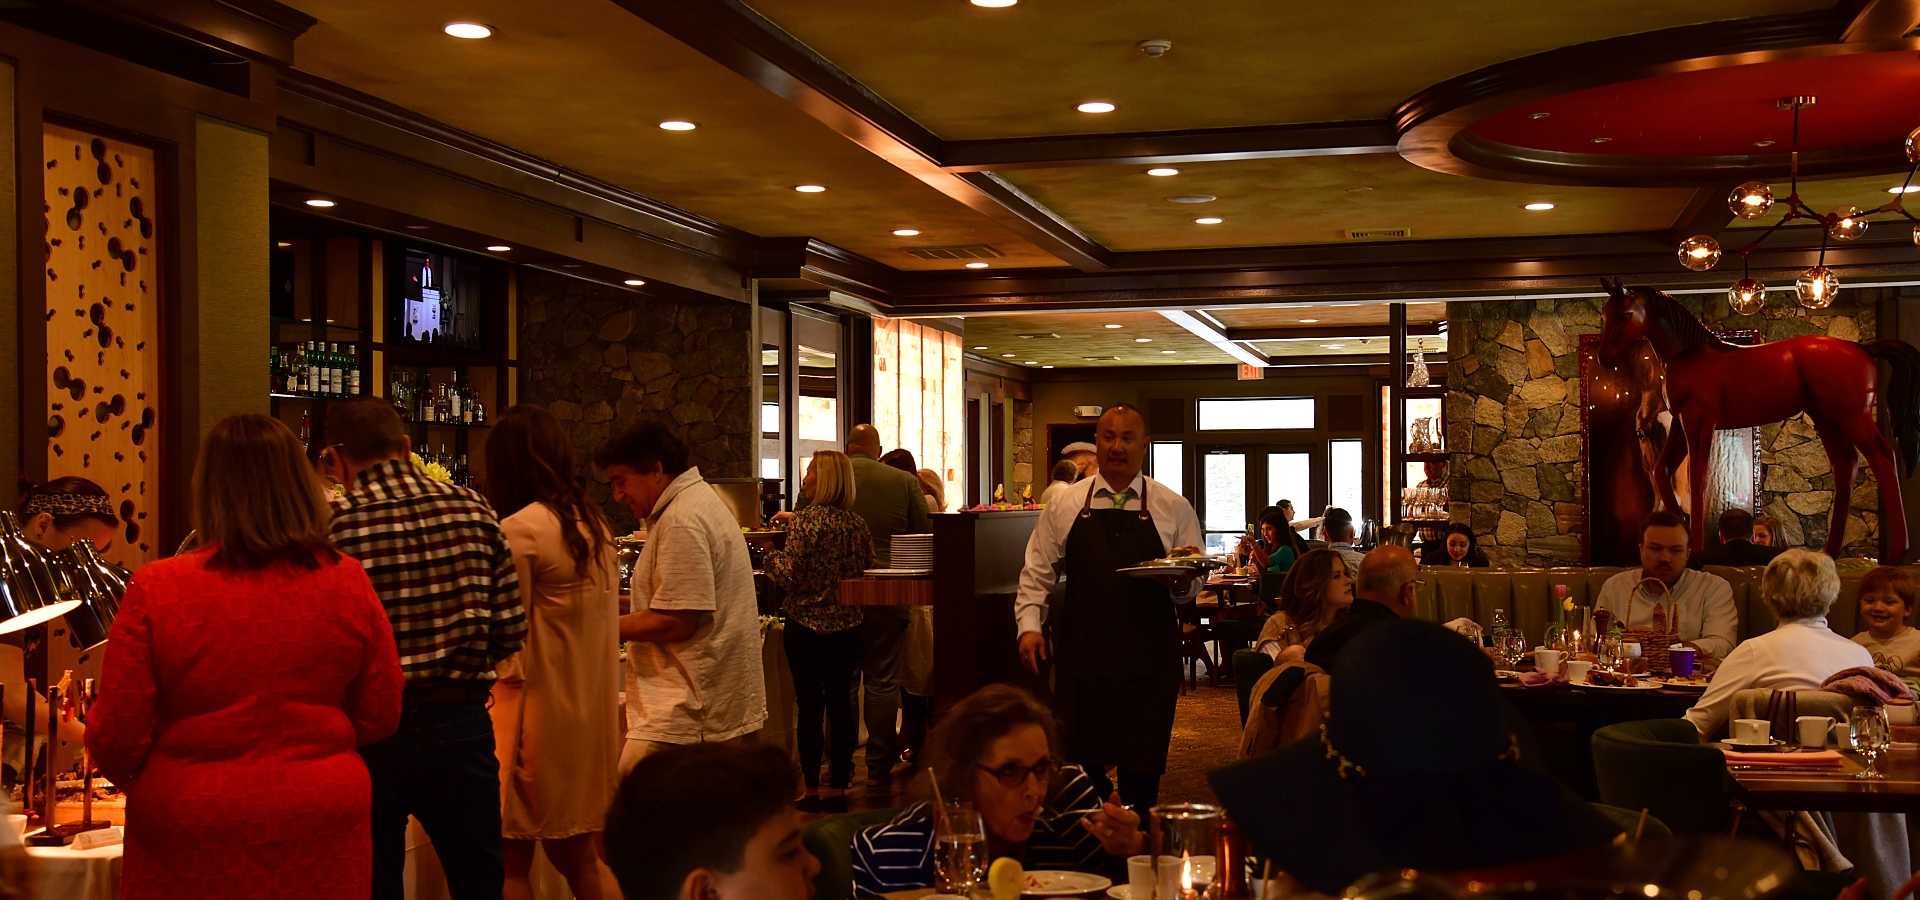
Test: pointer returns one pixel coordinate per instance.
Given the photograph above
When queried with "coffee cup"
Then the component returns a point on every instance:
(1577, 670)
(1680, 660)
(1140, 876)
(1752, 731)
(1813, 730)
(1547, 661)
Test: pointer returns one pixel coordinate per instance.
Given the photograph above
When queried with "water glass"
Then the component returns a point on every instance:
(1513, 647)
(1870, 733)
(960, 849)
(1189, 833)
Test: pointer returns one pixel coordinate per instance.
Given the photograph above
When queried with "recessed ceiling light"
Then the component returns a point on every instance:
(1193, 198)
(633, 282)
(1905, 189)
(416, 227)
(1601, 140)
(1333, 346)
(1046, 367)
(498, 248)
(1358, 190)
(981, 347)
(1033, 362)
(1308, 321)
(1007, 355)
(905, 232)
(320, 204)
(1143, 340)
(1763, 143)
(976, 265)
(809, 188)
(1116, 326)
(283, 243)
(1189, 360)
(1163, 172)
(472, 31)
(1538, 115)
(1169, 351)
(1538, 207)
(1208, 220)
(1095, 106)
(677, 125)
(995, 4)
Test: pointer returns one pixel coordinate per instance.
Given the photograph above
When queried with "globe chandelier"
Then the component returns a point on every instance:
(1815, 287)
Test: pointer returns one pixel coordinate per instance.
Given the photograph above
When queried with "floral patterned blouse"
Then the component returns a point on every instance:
(824, 545)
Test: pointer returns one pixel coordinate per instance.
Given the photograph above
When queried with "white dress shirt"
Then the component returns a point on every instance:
(1352, 556)
(1054, 491)
(1699, 608)
(1797, 656)
(1172, 516)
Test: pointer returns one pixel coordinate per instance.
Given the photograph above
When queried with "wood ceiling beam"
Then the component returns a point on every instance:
(734, 36)
(1208, 329)
(1428, 329)
(1706, 213)
(1161, 147)
(1880, 20)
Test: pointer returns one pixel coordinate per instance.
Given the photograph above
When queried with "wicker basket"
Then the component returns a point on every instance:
(1655, 641)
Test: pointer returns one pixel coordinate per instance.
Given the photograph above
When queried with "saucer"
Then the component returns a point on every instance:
(1769, 747)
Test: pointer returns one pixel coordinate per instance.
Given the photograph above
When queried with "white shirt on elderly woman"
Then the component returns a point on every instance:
(1798, 655)
(1700, 609)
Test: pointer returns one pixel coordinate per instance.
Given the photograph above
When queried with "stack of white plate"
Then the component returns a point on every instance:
(912, 551)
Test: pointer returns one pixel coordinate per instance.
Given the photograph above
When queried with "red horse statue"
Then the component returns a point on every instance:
(1712, 385)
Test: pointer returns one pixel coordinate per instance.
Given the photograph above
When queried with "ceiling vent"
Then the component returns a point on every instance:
(1041, 336)
(1100, 358)
(1363, 234)
(967, 251)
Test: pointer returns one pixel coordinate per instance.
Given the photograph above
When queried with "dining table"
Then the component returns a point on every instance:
(1564, 718)
(1835, 789)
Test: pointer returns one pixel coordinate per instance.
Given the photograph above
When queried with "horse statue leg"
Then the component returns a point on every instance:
(1846, 465)
(1872, 444)
(1698, 428)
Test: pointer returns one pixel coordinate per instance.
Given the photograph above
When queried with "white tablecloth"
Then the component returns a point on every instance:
(69, 874)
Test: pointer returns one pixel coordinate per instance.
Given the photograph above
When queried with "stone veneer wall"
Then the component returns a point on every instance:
(1513, 423)
(1022, 450)
(599, 358)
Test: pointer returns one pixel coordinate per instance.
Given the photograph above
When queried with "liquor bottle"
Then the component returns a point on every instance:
(306, 430)
(308, 380)
(453, 403)
(336, 385)
(479, 412)
(441, 409)
(462, 475)
(353, 372)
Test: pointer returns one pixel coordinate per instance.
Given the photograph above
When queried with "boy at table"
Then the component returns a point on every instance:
(1886, 603)
(710, 822)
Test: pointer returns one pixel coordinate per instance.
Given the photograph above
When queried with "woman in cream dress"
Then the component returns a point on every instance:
(556, 710)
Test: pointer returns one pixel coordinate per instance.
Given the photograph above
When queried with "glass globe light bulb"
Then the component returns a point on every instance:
(1751, 200)
(1747, 296)
(1916, 235)
(1849, 225)
(1699, 252)
(1913, 146)
(1816, 287)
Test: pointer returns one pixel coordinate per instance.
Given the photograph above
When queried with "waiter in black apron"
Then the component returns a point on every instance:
(1115, 638)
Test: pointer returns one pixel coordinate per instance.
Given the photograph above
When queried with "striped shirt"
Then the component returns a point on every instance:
(442, 567)
(898, 856)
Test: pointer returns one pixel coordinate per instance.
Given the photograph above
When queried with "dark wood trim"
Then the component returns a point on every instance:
(1159, 147)
(1428, 329)
(1433, 122)
(1881, 20)
(1706, 213)
(258, 29)
(1139, 373)
(1061, 237)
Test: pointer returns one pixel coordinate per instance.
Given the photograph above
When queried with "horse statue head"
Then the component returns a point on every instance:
(1623, 322)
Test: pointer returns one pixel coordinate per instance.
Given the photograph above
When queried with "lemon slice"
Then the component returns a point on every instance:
(1005, 878)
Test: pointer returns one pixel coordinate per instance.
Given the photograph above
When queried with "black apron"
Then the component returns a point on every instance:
(1117, 644)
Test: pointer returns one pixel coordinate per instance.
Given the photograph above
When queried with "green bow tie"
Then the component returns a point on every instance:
(1121, 499)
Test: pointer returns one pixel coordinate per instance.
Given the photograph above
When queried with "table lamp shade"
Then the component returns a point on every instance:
(98, 584)
(29, 594)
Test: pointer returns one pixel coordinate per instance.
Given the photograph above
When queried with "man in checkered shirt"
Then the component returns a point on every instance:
(441, 565)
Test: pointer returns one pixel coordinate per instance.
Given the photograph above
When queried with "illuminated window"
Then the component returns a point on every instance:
(1254, 414)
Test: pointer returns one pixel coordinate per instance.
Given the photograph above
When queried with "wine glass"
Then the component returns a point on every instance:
(960, 850)
(1870, 733)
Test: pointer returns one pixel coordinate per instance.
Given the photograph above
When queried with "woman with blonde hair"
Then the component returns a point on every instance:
(826, 542)
(935, 488)
(1317, 588)
(238, 680)
(556, 705)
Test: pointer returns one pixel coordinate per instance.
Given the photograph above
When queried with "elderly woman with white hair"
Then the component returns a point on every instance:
(1797, 655)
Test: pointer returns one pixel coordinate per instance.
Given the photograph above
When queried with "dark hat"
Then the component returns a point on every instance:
(1416, 768)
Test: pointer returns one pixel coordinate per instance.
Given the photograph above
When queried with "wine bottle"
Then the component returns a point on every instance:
(353, 372)
(453, 403)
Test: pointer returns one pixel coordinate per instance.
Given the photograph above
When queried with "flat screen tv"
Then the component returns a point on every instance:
(437, 300)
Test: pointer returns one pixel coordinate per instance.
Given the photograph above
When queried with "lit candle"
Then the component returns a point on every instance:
(1186, 875)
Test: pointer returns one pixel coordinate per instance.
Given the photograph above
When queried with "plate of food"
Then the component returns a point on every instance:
(1695, 683)
(1060, 883)
(1618, 681)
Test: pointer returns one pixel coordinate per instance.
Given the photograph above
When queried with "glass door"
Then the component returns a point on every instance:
(1290, 478)
(1238, 481)
(1223, 498)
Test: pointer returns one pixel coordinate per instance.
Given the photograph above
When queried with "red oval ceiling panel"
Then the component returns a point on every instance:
(1863, 99)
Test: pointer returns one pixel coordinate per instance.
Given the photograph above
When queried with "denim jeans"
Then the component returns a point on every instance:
(439, 768)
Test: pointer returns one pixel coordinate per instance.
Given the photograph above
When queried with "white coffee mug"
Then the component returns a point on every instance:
(1752, 731)
(1577, 670)
(1547, 661)
(1140, 876)
(1813, 730)
(1630, 650)
(1900, 713)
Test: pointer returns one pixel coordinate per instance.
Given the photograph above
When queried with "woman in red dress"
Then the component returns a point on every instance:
(238, 679)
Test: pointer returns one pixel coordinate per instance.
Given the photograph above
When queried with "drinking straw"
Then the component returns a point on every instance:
(1642, 827)
(939, 805)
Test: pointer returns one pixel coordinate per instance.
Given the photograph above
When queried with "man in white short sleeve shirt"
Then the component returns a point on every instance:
(693, 638)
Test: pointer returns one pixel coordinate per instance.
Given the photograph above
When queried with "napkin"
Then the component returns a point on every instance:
(1820, 759)
(1537, 679)
(1868, 684)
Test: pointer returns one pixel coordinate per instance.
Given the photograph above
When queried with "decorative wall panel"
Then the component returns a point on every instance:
(917, 398)
(103, 322)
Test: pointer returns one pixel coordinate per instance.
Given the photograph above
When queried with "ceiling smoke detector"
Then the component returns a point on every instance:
(1155, 48)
